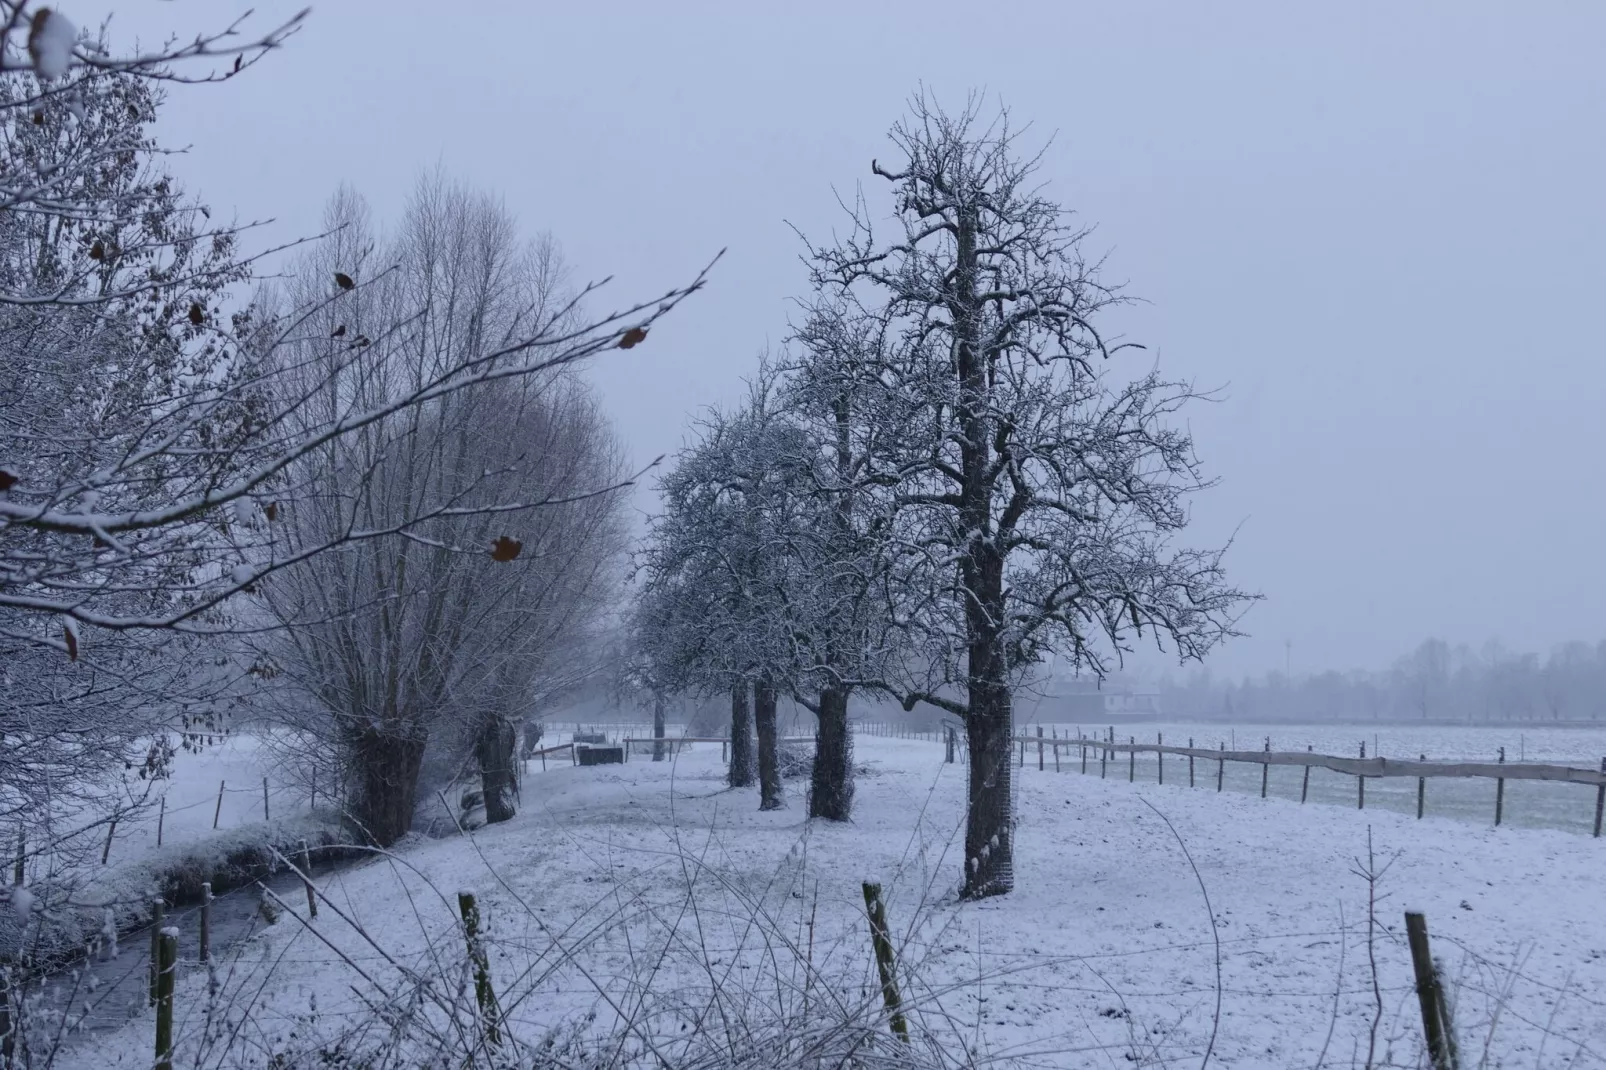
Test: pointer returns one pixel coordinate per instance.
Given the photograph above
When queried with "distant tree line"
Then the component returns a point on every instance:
(1435, 682)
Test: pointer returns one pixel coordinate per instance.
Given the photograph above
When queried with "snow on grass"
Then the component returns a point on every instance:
(1103, 956)
(238, 764)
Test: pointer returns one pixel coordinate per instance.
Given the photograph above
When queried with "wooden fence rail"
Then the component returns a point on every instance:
(1362, 767)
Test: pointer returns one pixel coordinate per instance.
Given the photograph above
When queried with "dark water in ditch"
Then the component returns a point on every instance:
(107, 991)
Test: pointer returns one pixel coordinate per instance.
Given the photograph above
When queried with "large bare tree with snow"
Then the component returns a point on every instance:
(155, 430)
(1034, 489)
(420, 635)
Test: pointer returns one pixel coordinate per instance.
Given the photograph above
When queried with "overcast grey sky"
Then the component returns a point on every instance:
(1382, 227)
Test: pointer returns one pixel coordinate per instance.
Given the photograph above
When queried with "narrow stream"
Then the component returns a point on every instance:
(106, 992)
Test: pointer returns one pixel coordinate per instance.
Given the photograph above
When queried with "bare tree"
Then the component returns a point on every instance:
(1034, 495)
(448, 621)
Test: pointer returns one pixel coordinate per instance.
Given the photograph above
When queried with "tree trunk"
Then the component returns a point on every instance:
(989, 820)
(499, 777)
(657, 727)
(831, 785)
(386, 768)
(741, 767)
(769, 747)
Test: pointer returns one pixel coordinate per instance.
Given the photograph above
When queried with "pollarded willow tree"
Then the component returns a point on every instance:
(149, 436)
(1033, 491)
(417, 638)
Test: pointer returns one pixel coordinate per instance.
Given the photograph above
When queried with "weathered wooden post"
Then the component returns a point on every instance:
(164, 966)
(1039, 748)
(1104, 756)
(1600, 799)
(206, 923)
(1190, 762)
(1159, 741)
(886, 962)
(1083, 740)
(1500, 792)
(1304, 781)
(1437, 1028)
(1360, 782)
(1221, 766)
(219, 811)
(161, 818)
(19, 872)
(484, 995)
(158, 911)
(1265, 770)
(1132, 760)
(306, 869)
(265, 815)
(1421, 790)
(105, 852)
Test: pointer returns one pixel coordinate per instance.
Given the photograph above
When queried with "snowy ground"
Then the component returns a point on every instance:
(1103, 956)
(1528, 803)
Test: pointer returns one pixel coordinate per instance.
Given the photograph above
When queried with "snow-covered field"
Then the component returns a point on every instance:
(1528, 803)
(240, 765)
(1106, 954)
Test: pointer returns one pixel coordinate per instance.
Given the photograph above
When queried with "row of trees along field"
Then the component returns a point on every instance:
(948, 473)
(1436, 681)
(369, 502)
(361, 497)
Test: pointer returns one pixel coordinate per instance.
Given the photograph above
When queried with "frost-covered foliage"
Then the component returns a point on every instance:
(758, 569)
(95, 333)
(158, 425)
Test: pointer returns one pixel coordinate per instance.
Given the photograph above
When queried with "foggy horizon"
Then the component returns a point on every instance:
(1375, 231)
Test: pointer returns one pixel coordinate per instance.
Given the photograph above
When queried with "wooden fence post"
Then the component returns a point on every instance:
(1190, 762)
(161, 818)
(1132, 761)
(1421, 790)
(1600, 800)
(886, 963)
(1360, 782)
(1023, 752)
(1039, 748)
(1221, 767)
(165, 965)
(19, 872)
(206, 922)
(1500, 792)
(218, 812)
(306, 868)
(1083, 740)
(265, 816)
(1437, 1028)
(1159, 741)
(1104, 761)
(158, 910)
(1304, 782)
(1265, 770)
(105, 852)
(484, 995)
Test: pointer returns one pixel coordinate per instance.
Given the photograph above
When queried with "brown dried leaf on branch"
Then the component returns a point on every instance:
(505, 549)
(343, 280)
(633, 337)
